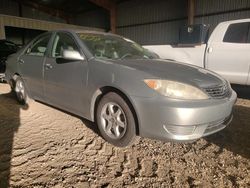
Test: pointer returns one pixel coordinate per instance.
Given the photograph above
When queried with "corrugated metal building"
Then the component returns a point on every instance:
(158, 21)
(32, 25)
(20, 23)
(152, 22)
(145, 21)
(213, 12)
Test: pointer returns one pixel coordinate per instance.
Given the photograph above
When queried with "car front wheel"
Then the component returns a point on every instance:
(115, 120)
(20, 91)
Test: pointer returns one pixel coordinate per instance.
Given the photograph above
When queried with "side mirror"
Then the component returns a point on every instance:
(72, 55)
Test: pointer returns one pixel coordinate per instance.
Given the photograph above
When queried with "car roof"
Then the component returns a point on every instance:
(86, 31)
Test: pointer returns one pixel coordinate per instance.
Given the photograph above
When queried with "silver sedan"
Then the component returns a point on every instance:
(124, 88)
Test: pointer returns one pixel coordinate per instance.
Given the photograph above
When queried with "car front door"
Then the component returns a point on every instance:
(65, 79)
(31, 65)
(230, 56)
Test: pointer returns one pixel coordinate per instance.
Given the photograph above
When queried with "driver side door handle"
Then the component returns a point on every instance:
(21, 61)
(48, 66)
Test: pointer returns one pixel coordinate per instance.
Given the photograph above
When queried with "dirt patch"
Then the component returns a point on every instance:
(43, 147)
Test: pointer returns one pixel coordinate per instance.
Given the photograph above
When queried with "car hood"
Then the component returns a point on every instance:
(170, 70)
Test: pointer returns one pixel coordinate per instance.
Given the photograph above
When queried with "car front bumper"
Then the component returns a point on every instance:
(175, 120)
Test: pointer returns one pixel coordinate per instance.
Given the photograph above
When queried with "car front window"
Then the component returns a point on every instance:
(63, 42)
(104, 46)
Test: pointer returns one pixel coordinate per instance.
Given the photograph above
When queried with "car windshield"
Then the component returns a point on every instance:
(113, 47)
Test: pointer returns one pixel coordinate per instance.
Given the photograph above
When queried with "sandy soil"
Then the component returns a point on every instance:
(43, 147)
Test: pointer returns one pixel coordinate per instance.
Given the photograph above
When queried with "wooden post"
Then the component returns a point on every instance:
(51, 11)
(113, 19)
(191, 11)
(111, 7)
(20, 9)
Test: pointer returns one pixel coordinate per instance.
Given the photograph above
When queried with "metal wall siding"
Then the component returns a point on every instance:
(34, 24)
(95, 18)
(213, 6)
(214, 20)
(137, 11)
(221, 10)
(29, 12)
(155, 17)
(9, 7)
(161, 33)
(133, 13)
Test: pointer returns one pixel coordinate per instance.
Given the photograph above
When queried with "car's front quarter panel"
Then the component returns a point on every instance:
(182, 116)
(127, 79)
(156, 112)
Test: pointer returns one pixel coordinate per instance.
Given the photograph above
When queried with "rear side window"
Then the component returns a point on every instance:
(39, 47)
(237, 33)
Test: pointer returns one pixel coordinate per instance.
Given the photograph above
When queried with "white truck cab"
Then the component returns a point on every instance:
(226, 52)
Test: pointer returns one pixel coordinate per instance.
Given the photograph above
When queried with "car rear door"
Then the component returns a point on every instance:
(31, 66)
(65, 80)
(230, 56)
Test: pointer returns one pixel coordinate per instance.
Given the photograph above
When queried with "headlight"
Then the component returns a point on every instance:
(176, 90)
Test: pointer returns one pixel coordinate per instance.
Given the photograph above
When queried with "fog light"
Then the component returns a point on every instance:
(179, 130)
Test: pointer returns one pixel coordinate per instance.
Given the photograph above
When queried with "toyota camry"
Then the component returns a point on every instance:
(124, 88)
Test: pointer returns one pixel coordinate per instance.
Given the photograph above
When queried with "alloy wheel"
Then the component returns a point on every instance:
(113, 120)
(20, 90)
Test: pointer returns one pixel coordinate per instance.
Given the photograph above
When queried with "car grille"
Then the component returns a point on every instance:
(218, 92)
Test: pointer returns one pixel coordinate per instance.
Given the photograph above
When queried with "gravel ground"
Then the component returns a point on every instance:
(43, 147)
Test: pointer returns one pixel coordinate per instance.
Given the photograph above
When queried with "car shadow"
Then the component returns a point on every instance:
(9, 124)
(242, 91)
(236, 137)
(89, 124)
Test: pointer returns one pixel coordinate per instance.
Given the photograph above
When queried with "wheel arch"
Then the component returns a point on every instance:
(107, 89)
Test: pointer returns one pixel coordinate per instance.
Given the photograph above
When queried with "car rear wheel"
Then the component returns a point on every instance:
(20, 91)
(115, 120)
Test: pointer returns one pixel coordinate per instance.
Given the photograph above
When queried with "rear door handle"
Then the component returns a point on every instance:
(48, 66)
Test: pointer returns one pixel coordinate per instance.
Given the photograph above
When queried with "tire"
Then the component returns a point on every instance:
(115, 120)
(21, 91)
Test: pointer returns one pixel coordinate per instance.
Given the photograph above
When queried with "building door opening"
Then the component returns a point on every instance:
(21, 36)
